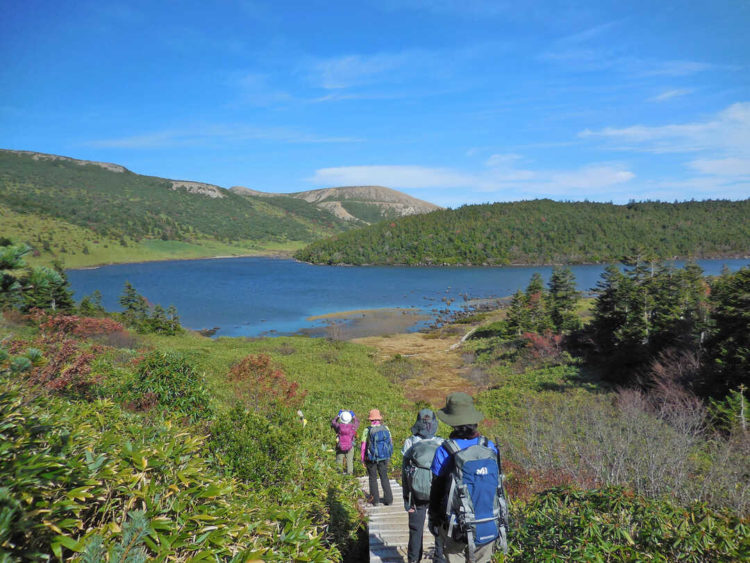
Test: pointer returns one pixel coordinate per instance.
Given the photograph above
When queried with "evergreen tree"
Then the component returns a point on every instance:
(536, 303)
(728, 346)
(11, 260)
(46, 288)
(518, 314)
(158, 322)
(135, 306)
(91, 306)
(173, 320)
(563, 298)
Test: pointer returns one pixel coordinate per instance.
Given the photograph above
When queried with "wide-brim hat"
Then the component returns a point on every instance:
(375, 415)
(346, 417)
(459, 410)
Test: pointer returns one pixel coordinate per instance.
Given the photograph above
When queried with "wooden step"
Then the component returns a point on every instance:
(388, 528)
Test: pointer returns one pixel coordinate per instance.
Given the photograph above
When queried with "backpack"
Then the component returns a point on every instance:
(416, 475)
(346, 436)
(379, 444)
(476, 511)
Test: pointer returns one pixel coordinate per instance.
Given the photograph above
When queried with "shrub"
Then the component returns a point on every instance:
(169, 380)
(613, 525)
(255, 448)
(260, 385)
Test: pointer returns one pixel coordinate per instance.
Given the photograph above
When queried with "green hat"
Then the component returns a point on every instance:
(459, 410)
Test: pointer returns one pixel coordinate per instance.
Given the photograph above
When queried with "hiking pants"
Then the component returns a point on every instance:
(348, 457)
(458, 552)
(377, 469)
(416, 528)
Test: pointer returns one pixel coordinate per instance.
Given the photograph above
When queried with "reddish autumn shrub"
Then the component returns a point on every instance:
(73, 324)
(545, 347)
(68, 368)
(261, 385)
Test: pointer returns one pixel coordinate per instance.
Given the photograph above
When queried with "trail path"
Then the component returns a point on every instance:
(388, 528)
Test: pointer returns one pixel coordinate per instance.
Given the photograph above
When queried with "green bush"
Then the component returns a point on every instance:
(77, 476)
(169, 380)
(614, 525)
(255, 448)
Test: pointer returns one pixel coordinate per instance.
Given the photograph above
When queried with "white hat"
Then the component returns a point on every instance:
(345, 417)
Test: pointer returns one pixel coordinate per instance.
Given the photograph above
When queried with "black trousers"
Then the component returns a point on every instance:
(377, 469)
(416, 528)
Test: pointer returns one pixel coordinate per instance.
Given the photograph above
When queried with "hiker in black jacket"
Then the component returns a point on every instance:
(416, 479)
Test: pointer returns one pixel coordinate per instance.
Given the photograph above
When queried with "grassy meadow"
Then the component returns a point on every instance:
(77, 247)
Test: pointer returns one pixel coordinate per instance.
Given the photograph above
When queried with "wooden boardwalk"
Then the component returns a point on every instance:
(388, 528)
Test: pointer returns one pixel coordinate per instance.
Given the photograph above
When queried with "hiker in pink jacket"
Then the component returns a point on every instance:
(345, 424)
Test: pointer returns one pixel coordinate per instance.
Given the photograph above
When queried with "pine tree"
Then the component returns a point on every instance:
(536, 303)
(135, 305)
(563, 298)
(518, 314)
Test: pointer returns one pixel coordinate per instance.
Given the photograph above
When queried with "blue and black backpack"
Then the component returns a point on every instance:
(379, 443)
(476, 511)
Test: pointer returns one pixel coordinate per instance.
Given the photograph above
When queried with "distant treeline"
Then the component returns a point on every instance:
(118, 204)
(545, 232)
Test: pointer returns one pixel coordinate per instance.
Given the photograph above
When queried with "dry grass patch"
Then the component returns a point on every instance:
(441, 370)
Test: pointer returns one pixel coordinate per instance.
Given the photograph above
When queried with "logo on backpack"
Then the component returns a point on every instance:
(417, 477)
(476, 511)
(379, 444)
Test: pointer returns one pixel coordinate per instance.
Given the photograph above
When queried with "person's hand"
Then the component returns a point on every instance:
(411, 510)
(434, 527)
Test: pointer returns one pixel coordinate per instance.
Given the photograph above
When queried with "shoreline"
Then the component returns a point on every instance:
(284, 255)
(277, 255)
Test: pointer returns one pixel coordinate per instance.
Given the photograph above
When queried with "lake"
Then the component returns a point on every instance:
(258, 296)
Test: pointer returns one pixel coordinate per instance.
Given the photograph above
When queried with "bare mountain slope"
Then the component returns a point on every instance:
(367, 204)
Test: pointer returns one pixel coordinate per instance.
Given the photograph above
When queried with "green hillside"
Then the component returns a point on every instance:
(544, 232)
(116, 204)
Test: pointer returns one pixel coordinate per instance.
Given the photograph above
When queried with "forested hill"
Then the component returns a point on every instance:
(111, 201)
(545, 232)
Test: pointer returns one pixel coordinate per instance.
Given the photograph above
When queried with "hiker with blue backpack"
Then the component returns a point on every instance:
(416, 478)
(376, 452)
(345, 424)
(468, 508)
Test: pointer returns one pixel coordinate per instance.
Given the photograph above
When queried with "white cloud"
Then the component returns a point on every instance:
(214, 135)
(727, 132)
(357, 70)
(722, 166)
(670, 94)
(592, 177)
(399, 177)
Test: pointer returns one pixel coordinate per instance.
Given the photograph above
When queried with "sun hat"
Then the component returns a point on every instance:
(459, 410)
(375, 415)
(345, 417)
(426, 425)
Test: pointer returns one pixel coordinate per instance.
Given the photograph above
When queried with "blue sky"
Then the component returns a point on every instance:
(453, 102)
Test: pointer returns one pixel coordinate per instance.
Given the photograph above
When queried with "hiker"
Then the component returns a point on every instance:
(467, 501)
(416, 477)
(376, 452)
(345, 423)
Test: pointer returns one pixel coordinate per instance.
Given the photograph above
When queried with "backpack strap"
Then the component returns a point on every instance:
(451, 446)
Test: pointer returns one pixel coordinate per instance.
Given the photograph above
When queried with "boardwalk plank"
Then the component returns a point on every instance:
(388, 528)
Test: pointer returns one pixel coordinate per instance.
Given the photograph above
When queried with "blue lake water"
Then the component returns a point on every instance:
(257, 296)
